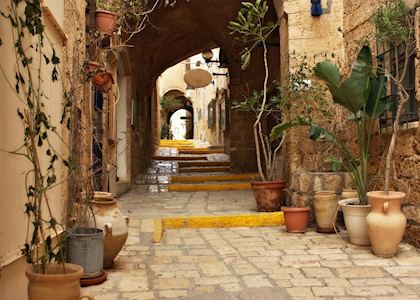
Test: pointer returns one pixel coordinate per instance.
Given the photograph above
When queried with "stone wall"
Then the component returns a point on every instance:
(406, 160)
(305, 184)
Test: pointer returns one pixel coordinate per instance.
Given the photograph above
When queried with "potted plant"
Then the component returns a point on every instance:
(50, 278)
(252, 29)
(105, 16)
(361, 94)
(394, 23)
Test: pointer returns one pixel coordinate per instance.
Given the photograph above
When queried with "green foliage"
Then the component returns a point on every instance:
(38, 129)
(165, 131)
(170, 103)
(361, 94)
(391, 22)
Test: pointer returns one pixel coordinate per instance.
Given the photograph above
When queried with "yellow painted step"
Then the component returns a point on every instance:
(224, 221)
(209, 187)
(220, 177)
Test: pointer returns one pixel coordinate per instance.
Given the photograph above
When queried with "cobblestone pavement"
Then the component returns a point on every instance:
(245, 263)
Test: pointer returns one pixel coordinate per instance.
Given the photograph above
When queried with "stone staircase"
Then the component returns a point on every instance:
(193, 169)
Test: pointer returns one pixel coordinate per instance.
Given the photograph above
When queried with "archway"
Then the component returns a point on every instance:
(188, 28)
(181, 124)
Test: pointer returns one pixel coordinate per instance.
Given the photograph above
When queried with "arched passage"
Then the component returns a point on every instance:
(186, 29)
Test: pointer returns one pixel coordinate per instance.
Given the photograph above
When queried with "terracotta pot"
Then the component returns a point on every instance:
(268, 194)
(55, 285)
(103, 81)
(386, 223)
(355, 220)
(296, 218)
(98, 195)
(115, 225)
(325, 206)
(93, 66)
(349, 193)
(106, 21)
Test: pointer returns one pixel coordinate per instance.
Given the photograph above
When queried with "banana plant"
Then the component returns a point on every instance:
(362, 95)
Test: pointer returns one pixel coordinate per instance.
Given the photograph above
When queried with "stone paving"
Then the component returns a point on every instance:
(245, 263)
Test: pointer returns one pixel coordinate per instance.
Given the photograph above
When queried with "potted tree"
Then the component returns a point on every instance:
(361, 94)
(105, 16)
(395, 27)
(49, 276)
(252, 29)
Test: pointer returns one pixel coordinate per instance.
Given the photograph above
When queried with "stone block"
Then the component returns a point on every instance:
(412, 234)
(334, 182)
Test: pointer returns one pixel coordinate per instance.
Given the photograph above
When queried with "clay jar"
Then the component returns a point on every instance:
(105, 21)
(57, 284)
(325, 204)
(268, 194)
(386, 223)
(115, 226)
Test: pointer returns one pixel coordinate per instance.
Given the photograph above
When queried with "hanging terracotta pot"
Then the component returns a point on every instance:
(106, 21)
(325, 205)
(386, 223)
(268, 194)
(355, 220)
(109, 218)
(93, 66)
(56, 284)
(103, 81)
(296, 219)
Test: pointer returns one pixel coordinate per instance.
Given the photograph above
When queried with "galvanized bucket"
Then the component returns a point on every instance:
(85, 247)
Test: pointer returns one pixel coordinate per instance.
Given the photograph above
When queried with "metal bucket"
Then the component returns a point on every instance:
(85, 247)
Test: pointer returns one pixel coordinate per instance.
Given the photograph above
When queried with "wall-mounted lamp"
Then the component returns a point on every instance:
(208, 55)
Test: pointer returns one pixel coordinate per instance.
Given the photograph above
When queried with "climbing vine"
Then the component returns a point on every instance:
(33, 60)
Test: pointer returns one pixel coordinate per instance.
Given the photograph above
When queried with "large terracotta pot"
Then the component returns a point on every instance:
(106, 21)
(114, 224)
(386, 223)
(355, 220)
(296, 218)
(55, 285)
(268, 194)
(325, 205)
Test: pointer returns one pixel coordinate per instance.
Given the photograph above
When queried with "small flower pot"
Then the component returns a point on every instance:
(296, 219)
(105, 21)
(103, 81)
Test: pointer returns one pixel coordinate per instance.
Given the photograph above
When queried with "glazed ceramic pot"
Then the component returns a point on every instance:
(115, 226)
(268, 194)
(56, 284)
(296, 219)
(105, 21)
(386, 223)
(355, 220)
(325, 206)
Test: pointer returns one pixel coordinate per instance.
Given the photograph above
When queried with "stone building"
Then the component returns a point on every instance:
(130, 109)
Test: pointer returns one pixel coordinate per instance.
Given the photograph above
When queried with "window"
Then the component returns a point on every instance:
(392, 60)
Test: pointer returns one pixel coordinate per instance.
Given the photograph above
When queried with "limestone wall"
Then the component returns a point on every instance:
(405, 174)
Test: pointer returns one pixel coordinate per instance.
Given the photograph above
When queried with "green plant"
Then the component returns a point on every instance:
(170, 103)
(394, 25)
(165, 131)
(361, 94)
(252, 30)
(40, 134)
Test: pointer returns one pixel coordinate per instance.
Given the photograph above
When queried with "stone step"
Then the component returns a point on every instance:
(218, 177)
(225, 186)
(203, 163)
(222, 169)
(178, 158)
(200, 151)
